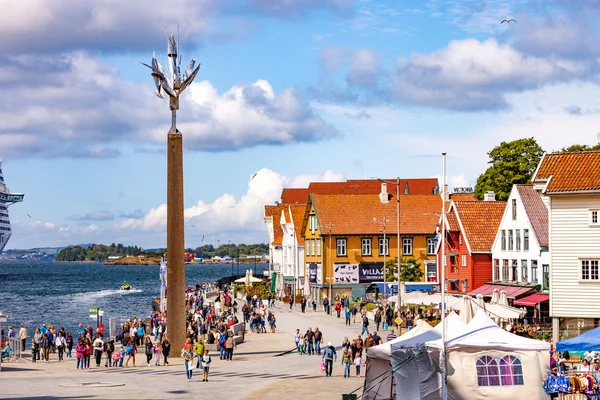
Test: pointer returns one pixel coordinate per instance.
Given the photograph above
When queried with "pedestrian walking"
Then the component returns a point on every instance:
(109, 349)
(149, 350)
(357, 362)
(188, 357)
(80, 354)
(45, 345)
(329, 356)
(166, 348)
(60, 346)
(314, 305)
(303, 304)
(69, 342)
(157, 354)
(365, 325)
(229, 346)
(347, 314)
(98, 348)
(297, 337)
(346, 360)
(318, 341)
(205, 365)
(291, 301)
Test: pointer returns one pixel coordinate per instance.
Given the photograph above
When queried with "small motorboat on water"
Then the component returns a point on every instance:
(125, 286)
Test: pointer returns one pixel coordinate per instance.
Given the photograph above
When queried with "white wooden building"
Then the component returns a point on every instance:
(520, 250)
(571, 182)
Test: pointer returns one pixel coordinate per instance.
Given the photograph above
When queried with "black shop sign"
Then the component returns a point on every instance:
(371, 272)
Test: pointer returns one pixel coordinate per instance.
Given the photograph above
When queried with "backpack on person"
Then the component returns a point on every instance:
(166, 347)
(365, 321)
(222, 340)
(129, 349)
(329, 353)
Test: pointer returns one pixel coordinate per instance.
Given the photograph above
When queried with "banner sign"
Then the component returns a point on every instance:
(319, 273)
(345, 273)
(312, 271)
(371, 272)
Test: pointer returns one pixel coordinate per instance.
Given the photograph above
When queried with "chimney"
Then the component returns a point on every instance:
(383, 196)
(489, 196)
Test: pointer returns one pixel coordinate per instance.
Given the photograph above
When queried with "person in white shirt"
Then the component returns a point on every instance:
(584, 366)
(98, 349)
(589, 356)
(60, 343)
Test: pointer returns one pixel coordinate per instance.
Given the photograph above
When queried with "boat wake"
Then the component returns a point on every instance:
(105, 293)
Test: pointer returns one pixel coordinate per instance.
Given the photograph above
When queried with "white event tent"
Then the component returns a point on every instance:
(483, 361)
(379, 382)
(378, 372)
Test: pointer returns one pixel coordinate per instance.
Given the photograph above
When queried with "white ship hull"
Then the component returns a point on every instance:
(6, 198)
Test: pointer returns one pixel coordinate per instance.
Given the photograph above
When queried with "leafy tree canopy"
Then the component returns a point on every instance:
(579, 147)
(410, 270)
(511, 163)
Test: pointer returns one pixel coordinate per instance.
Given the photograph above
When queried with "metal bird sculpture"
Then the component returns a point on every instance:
(508, 21)
(173, 84)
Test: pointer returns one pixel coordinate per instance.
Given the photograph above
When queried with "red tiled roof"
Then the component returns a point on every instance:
(298, 216)
(480, 220)
(570, 172)
(354, 214)
(294, 196)
(415, 185)
(511, 291)
(536, 212)
(275, 212)
(452, 222)
(463, 197)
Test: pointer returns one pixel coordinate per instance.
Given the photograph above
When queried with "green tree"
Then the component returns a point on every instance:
(410, 270)
(511, 163)
(579, 147)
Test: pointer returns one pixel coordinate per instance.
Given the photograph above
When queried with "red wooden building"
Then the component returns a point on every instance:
(471, 228)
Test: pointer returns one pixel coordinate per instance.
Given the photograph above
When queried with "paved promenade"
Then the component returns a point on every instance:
(263, 368)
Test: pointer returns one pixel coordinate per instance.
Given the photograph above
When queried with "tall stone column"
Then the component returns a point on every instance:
(176, 325)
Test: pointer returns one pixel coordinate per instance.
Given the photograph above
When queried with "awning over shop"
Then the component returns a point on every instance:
(532, 300)
(288, 278)
(511, 291)
(420, 288)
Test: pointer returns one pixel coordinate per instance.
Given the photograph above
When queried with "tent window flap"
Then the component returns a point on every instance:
(499, 371)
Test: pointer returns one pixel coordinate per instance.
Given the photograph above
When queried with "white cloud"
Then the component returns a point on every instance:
(227, 216)
(79, 107)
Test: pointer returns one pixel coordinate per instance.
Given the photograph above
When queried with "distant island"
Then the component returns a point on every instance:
(118, 254)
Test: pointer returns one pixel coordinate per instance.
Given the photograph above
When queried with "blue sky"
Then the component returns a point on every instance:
(296, 90)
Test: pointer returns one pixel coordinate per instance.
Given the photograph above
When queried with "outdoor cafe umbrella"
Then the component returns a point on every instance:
(467, 309)
(495, 297)
(503, 298)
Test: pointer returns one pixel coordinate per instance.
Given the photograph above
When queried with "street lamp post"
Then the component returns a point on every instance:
(443, 278)
(330, 278)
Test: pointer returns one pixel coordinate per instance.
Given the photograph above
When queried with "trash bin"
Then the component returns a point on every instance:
(350, 396)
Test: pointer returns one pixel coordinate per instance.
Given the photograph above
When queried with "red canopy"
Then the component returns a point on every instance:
(532, 300)
(511, 291)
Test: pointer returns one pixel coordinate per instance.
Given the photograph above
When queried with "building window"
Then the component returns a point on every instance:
(499, 371)
(431, 242)
(514, 271)
(496, 269)
(503, 232)
(463, 260)
(463, 283)
(318, 247)
(524, 271)
(460, 238)
(594, 217)
(366, 247)
(431, 270)
(384, 248)
(313, 245)
(534, 274)
(514, 209)
(453, 284)
(407, 246)
(505, 270)
(510, 239)
(589, 270)
(518, 239)
(341, 247)
(312, 224)
(546, 276)
(525, 239)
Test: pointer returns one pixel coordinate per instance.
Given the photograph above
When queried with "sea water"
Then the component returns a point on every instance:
(62, 293)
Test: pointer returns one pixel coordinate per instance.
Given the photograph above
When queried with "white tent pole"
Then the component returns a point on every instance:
(443, 266)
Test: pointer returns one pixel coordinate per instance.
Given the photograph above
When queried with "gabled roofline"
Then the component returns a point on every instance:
(462, 228)
(546, 185)
(533, 177)
(516, 190)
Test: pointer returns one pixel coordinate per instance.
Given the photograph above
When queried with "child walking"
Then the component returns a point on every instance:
(205, 366)
(157, 353)
(357, 362)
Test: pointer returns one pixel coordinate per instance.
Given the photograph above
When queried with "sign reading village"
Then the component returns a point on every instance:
(357, 273)
(371, 272)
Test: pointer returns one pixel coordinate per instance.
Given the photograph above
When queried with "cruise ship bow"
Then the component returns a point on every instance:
(6, 199)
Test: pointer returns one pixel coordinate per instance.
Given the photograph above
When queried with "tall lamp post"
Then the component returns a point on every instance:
(173, 85)
(443, 266)
(398, 244)
(330, 278)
